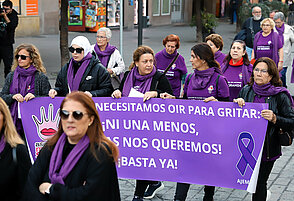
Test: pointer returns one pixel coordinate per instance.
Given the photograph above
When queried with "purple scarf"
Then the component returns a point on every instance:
(145, 81)
(219, 57)
(74, 81)
(170, 56)
(104, 55)
(2, 143)
(245, 71)
(70, 161)
(270, 90)
(200, 79)
(23, 80)
(281, 32)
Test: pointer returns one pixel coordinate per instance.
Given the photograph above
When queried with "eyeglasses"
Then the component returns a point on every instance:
(78, 50)
(266, 25)
(262, 71)
(101, 37)
(22, 57)
(77, 115)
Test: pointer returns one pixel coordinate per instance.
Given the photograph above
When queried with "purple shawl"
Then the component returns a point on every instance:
(74, 81)
(281, 32)
(219, 57)
(104, 55)
(270, 90)
(145, 81)
(200, 79)
(2, 143)
(245, 71)
(70, 161)
(292, 76)
(23, 83)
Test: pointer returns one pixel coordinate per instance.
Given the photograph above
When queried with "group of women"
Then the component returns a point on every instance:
(78, 162)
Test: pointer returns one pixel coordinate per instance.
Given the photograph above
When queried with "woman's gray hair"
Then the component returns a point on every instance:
(106, 30)
(279, 15)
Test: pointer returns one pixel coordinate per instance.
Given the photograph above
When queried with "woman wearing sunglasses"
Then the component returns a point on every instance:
(265, 86)
(78, 162)
(237, 68)
(83, 72)
(13, 154)
(143, 78)
(26, 81)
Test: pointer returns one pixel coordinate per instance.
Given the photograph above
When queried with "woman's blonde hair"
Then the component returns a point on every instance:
(139, 52)
(272, 23)
(34, 55)
(10, 134)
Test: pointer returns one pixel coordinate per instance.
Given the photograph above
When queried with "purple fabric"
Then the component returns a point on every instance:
(222, 91)
(219, 57)
(70, 161)
(163, 59)
(292, 75)
(200, 79)
(270, 90)
(281, 32)
(104, 55)
(237, 76)
(74, 81)
(23, 83)
(143, 81)
(2, 143)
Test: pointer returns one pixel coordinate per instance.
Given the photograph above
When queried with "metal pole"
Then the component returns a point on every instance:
(121, 27)
(140, 22)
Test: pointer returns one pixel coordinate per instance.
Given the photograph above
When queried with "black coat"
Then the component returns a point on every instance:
(256, 28)
(281, 106)
(42, 87)
(13, 174)
(96, 80)
(89, 180)
(158, 79)
(8, 36)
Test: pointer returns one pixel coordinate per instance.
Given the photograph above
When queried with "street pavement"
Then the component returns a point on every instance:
(281, 181)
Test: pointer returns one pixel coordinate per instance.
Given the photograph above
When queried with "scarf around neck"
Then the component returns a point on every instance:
(245, 71)
(169, 56)
(2, 143)
(270, 90)
(200, 79)
(133, 76)
(70, 161)
(75, 80)
(104, 55)
(281, 32)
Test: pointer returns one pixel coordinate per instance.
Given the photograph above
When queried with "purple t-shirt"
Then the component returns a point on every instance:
(210, 90)
(234, 77)
(264, 46)
(163, 59)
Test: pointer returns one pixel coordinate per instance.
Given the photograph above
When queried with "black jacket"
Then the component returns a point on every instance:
(158, 79)
(13, 174)
(96, 80)
(281, 106)
(256, 28)
(42, 87)
(8, 38)
(89, 180)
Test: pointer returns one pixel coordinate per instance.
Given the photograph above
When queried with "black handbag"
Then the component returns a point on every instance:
(115, 81)
(286, 137)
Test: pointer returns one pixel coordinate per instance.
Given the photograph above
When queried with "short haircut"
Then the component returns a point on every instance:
(217, 40)
(256, 7)
(7, 3)
(106, 30)
(172, 38)
(272, 23)
(279, 15)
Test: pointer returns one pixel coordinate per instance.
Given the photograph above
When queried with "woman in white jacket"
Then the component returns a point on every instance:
(287, 37)
(108, 54)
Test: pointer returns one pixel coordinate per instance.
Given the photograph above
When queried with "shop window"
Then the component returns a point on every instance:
(165, 7)
(156, 7)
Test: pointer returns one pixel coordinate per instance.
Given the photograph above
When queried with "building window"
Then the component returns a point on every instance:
(165, 7)
(156, 7)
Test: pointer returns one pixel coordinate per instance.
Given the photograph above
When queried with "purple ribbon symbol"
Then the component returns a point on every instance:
(246, 151)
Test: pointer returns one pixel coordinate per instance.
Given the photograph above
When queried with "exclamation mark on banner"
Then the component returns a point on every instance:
(220, 149)
(176, 164)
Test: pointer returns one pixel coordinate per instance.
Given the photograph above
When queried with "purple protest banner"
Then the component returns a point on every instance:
(189, 141)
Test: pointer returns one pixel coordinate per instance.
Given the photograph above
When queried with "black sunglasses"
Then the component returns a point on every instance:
(78, 50)
(22, 57)
(77, 115)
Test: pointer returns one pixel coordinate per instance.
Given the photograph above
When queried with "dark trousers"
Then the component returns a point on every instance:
(182, 191)
(141, 186)
(261, 188)
(6, 54)
(283, 78)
